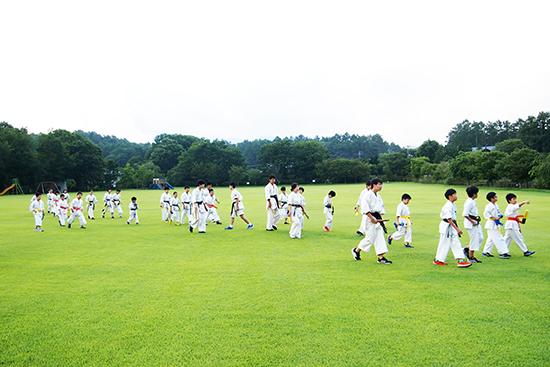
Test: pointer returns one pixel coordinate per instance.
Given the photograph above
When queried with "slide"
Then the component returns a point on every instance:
(6, 190)
(170, 186)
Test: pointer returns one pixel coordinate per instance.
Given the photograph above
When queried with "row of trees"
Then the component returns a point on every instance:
(89, 160)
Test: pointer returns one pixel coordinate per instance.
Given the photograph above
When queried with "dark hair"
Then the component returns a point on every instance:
(232, 184)
(200, 182)
(117, 190)
(210, 190)
(62, 195)
(405, 196)
(272, 176)
(186, 187)
(134, 198)
(369, 183)
(37, 194)
(283, 188)
(175, 192)
(166, 188)
(449, 192)
(79, 193)
(376, 181)
(332, 193)
(510, 196)
(294, 185)
(491, 195)
(209, 183)
(57, 192)
(471, 191)
(301, 188)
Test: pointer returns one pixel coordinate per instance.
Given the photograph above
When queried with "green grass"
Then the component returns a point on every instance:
(155, 294)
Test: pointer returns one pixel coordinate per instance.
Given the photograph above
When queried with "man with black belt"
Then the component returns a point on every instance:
(272, 204)
(372, 206)
(199, 208)
(186, 206)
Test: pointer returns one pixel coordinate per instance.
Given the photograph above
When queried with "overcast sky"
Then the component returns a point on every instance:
(235, 70)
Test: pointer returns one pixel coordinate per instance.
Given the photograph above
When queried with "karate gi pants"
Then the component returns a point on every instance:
(401, 232)
(175, 217)
(374, 235)
(213, 215)
(494, 238)
(200, 220)
(186, 212)
(38, 219)
(514, 234)
(363, 226)
(476, 237)
(133, 215)
(62, 216)
(328, 216)
(449, 241)
(272, 217)
(80, 215)
(297, 223)
(165, 212)
(90, 211)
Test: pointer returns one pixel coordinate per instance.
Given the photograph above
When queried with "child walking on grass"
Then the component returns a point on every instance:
(449, 232)
(403, 223)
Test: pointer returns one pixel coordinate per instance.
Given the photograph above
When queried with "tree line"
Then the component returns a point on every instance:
(87, 160)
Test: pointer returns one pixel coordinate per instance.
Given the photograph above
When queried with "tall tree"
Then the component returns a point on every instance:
(535, 132)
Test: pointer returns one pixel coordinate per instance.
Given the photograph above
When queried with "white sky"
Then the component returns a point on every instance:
(235, 70)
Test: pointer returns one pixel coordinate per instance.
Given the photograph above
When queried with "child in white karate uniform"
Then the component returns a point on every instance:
(117, 201)
(199, 208)
(77, 206)
(328, 210)
(63, 207)
(133, 206)
(283, 202)
(513, 230)
(472, 224)
(91, 201)
(403, 223)
(37, 208)
(448, 233)
(296, 213)
(186, 208)
(237, 207)
(494, 238)
(212, 210)
(174, 209)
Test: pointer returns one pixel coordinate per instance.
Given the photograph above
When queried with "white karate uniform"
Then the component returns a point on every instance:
(116, 204)
(327, 202)
(175, 208)
(165, 202)
(108, 203)
(364, 218)
(55, 205)
(448, 236)
(63, 207)
(212, 212)
(91, 201)
(272, 197)
(77, 206)
(493, 234)
(404, 228)
(186, 208)
(51, 197)
(199, 219)
(296, 214)
(67, 196)
(236, 211)
(37, 208)
(513, 231)
(475, 232)
(374, 233)
(133, 212)
(283, 203)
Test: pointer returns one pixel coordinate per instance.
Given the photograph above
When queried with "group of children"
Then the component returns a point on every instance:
(199, 207)
(371, 206)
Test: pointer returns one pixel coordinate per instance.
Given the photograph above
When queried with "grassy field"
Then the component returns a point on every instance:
(157, 295)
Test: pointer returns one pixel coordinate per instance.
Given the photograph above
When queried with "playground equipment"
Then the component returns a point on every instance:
(14, 185)
(45, 186)
(159, 184)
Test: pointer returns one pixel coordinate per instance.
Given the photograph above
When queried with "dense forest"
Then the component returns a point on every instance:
(493, 153)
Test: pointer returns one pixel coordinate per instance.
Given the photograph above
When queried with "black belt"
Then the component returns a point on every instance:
(476, 218)
(276, 199)
(378, 216)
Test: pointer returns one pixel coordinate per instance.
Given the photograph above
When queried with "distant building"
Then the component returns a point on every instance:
(484, 149)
